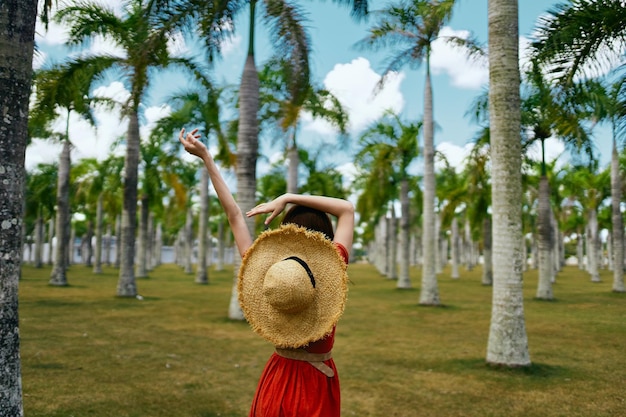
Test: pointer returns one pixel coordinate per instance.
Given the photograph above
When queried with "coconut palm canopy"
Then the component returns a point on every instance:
(336, 65)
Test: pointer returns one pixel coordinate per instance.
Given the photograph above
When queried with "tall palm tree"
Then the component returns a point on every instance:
(89, 179)
(550, 111)
(200, 107)
(389, 147)
(508, 342)
(579, 39)
(479, 200)
(284, 19)
(608, 104)
(40, 198)
(142, 33)
(591, 189)
(412, 27)
(17, 39)
(62, 88)
(452, 196)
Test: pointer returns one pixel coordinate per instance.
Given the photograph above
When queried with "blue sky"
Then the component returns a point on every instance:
(348, 72)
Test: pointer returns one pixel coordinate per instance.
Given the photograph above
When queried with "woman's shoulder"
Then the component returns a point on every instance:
(343, 252)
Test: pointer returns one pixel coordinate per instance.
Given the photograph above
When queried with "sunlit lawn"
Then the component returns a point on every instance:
(86, 352)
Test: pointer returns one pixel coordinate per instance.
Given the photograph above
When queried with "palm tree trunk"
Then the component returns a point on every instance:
(438, 245)
(468, 247)
(142, 246)
(17, 32)
(158, 245)
(70, 247)
(294, 161)
(454, 248)
(579, 251)
(381, 245)
(107, 245)
(118, 241)
(126, 285)
(201, 270)
(404, 280)
(487, 252)
(221, 245)
(39, 226)
(392, 251)
(508, 343)
(188, 242)
(617, 223)
(150, 243)
(247, 148)
(593, 244)
(51, 223)
(546, 262)
(88, 252)
(97, 265)
(429, 293)
(58, 275)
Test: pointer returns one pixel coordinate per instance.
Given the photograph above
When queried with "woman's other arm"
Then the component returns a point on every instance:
(342, 209)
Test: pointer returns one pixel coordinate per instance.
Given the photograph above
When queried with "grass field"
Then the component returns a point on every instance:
(86, 352)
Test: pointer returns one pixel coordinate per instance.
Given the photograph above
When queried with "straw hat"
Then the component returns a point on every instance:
(292, 286)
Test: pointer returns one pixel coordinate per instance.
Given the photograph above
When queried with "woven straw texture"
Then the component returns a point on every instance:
(295, 329)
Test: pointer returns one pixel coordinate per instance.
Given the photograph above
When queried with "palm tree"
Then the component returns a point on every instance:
(579, 38)
(413, 26)
(452, 197)
(40, 198)
(508, 342)
(17, 39)
(321, 180)
(389, 147)
(284, 20)
(200, 107)
(549, 110)
(592, 188)
(479, 201)
(89, 179)
(286, 107)
(608, 103)
(61, 87)
(142, 33)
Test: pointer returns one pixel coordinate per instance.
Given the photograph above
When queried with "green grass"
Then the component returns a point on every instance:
(86, 352)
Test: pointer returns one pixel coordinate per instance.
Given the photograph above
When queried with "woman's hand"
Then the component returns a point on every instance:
(274, 207)
(192, 144)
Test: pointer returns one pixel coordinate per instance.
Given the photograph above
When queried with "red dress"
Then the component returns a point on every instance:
(294, 388)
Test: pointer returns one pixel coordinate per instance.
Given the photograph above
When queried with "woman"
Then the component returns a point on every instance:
(298, 260)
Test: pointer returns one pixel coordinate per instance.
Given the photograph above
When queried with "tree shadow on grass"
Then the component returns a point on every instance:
(534, 371)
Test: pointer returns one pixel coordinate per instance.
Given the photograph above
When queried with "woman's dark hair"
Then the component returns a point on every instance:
(311, 219)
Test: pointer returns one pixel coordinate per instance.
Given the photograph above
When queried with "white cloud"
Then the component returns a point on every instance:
(115, 91)
(353, 84)
(57, 34)
(455, 154)
(151, 116)
(231, 45)
(88, 142)
(464, 72)
(177, 46)
(54, 34)
(554, 149)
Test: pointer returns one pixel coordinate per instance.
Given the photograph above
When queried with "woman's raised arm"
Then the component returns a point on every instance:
(236, 219)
